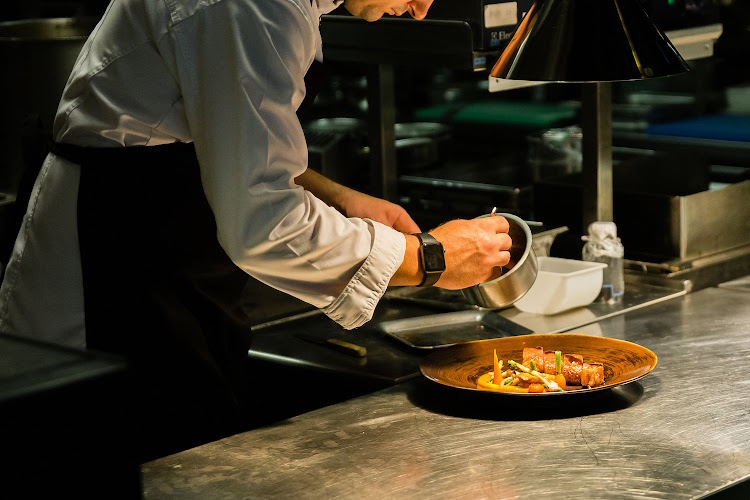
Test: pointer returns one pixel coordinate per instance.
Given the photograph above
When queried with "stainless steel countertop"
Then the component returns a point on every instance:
(677, 433)
(742, 283)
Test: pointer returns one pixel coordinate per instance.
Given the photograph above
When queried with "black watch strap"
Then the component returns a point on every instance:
(431, 259)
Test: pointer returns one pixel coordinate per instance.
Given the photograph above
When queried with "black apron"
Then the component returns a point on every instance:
(160, 291)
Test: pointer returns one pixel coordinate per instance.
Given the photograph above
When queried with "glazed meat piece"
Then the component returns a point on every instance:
(592, 374)
(520, 378)
(572, 365)
(575, 371)
(535, 354)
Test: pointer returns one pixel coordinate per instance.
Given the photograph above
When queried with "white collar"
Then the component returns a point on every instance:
(326, 6)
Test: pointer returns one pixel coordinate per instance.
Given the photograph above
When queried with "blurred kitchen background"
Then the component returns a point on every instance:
(406, 110)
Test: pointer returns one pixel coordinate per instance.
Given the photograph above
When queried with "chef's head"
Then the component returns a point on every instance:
(372, 10)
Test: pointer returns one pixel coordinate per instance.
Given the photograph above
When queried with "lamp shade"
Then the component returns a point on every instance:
(588, 41)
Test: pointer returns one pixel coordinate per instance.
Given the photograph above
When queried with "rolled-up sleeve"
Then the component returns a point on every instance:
(241, 67)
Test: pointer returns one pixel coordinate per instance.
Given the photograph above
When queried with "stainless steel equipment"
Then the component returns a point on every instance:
(492, 22)
(441, 330)
(662, 225)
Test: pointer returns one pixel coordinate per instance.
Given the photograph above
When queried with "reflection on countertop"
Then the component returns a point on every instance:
(742, 284)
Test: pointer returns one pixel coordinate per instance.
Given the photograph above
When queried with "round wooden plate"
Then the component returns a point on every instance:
(460, 365)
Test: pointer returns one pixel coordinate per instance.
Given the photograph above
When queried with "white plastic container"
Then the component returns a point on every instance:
(562, 284)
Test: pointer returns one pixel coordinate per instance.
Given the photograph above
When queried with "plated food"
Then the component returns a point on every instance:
(462, 365)
(541, 371)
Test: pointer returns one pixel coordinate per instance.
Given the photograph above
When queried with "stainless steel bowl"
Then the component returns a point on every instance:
(518, 275)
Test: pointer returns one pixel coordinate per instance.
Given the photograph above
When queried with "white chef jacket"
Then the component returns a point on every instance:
(227, 75)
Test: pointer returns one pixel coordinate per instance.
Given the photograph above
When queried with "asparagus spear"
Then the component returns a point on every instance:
(547, 383)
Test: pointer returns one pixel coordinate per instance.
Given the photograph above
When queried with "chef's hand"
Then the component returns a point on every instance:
(475, 252)
(355, 204)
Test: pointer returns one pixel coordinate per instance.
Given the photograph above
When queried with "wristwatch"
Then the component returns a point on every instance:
(431, 258)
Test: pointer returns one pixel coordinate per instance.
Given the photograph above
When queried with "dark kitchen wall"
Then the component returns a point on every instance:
(29, 9)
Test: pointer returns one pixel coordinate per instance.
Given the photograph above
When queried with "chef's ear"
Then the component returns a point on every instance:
(418, 8)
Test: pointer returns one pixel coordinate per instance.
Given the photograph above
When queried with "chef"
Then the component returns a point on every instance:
(178, 169)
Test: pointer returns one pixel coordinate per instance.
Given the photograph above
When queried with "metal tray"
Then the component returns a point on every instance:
(440, 330)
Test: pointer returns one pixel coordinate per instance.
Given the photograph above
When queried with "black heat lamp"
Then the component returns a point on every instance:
(591, 42)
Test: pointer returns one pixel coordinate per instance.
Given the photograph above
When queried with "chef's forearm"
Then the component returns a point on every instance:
(335, 195)
(328, 191)
(409, 273)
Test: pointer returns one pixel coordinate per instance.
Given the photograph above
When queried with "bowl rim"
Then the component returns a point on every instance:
(587, 266)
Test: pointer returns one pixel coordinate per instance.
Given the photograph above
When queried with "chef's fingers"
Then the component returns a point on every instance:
(504, 241)
(497, 223)
(503, 250)
(497, 249)
(503, 258)
(406, 224)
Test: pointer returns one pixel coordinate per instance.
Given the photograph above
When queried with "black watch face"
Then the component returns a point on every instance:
(434, 260)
